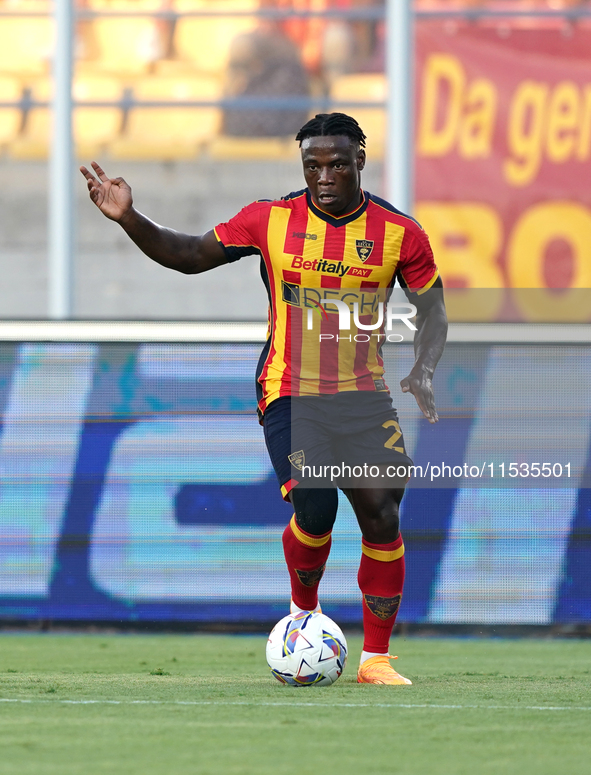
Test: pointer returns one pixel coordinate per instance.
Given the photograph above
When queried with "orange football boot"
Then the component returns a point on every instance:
(377, 670)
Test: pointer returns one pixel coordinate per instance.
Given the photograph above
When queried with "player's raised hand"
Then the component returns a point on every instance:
(112, 196)
(421, 387)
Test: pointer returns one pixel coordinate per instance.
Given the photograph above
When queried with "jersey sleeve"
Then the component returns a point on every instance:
(240, 236)
(417, 270)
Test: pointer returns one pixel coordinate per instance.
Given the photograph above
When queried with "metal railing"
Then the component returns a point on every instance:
(348, 14)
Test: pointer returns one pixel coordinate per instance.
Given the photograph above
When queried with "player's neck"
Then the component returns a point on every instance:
(355, 204)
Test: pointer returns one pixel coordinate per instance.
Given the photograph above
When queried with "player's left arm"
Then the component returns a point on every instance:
(429, 342)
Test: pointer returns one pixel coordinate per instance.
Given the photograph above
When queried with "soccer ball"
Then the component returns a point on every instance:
(306, 649)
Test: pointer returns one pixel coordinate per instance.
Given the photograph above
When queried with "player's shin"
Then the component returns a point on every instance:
(381, 578)
(306, 556)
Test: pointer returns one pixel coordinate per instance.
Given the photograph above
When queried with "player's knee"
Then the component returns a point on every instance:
(315, 509)
(386, 523)
(379, 518)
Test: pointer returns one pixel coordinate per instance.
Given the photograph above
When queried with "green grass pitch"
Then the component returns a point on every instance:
(207, 705)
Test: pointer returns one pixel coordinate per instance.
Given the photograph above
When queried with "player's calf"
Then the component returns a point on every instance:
(306, 556)
(381, 580)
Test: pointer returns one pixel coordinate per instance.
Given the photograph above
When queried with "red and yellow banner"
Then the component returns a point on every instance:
(503, 136)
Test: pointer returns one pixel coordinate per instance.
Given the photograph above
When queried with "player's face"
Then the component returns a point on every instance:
(332, 168)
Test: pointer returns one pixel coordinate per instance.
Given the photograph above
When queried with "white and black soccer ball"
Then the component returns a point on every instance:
(306, 649)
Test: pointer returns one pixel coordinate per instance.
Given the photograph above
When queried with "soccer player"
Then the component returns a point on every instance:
(322, 398)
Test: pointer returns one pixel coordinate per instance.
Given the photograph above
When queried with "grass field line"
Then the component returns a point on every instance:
(198, 703)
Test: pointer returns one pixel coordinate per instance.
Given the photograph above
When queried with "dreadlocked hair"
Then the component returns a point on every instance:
(329, 124)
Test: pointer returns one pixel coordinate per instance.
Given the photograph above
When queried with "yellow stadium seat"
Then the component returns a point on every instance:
(26, 44)
(168, 133)
(122, 6)
(364, 87)
(93, 127)
(205, 43)
(10, 118)
(254, 148)
(126, 45)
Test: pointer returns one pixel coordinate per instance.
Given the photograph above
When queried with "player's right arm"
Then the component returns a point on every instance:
(182, 252)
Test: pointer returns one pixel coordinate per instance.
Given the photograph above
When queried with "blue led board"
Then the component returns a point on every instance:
(135, 485)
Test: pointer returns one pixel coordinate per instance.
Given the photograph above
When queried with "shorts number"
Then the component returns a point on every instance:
(394, 437)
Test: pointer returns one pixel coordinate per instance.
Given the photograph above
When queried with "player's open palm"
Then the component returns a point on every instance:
(111, 195)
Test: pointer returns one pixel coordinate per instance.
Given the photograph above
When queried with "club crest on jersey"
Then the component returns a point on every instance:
(364, 248)
(297, 459)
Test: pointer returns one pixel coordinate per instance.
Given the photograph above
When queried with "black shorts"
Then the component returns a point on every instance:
(352, 429)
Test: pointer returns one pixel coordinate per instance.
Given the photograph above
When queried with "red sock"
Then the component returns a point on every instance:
(306, 556)
(381, 578)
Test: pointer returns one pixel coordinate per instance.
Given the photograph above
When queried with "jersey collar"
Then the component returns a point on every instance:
(341, 220)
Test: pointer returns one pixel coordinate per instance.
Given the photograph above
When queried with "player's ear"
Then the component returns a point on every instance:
(361, 159)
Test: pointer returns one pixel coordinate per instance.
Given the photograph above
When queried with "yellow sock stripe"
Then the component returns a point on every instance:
(378, 554)
(305, 539)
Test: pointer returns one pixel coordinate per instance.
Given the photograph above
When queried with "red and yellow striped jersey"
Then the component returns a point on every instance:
(308, 256)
